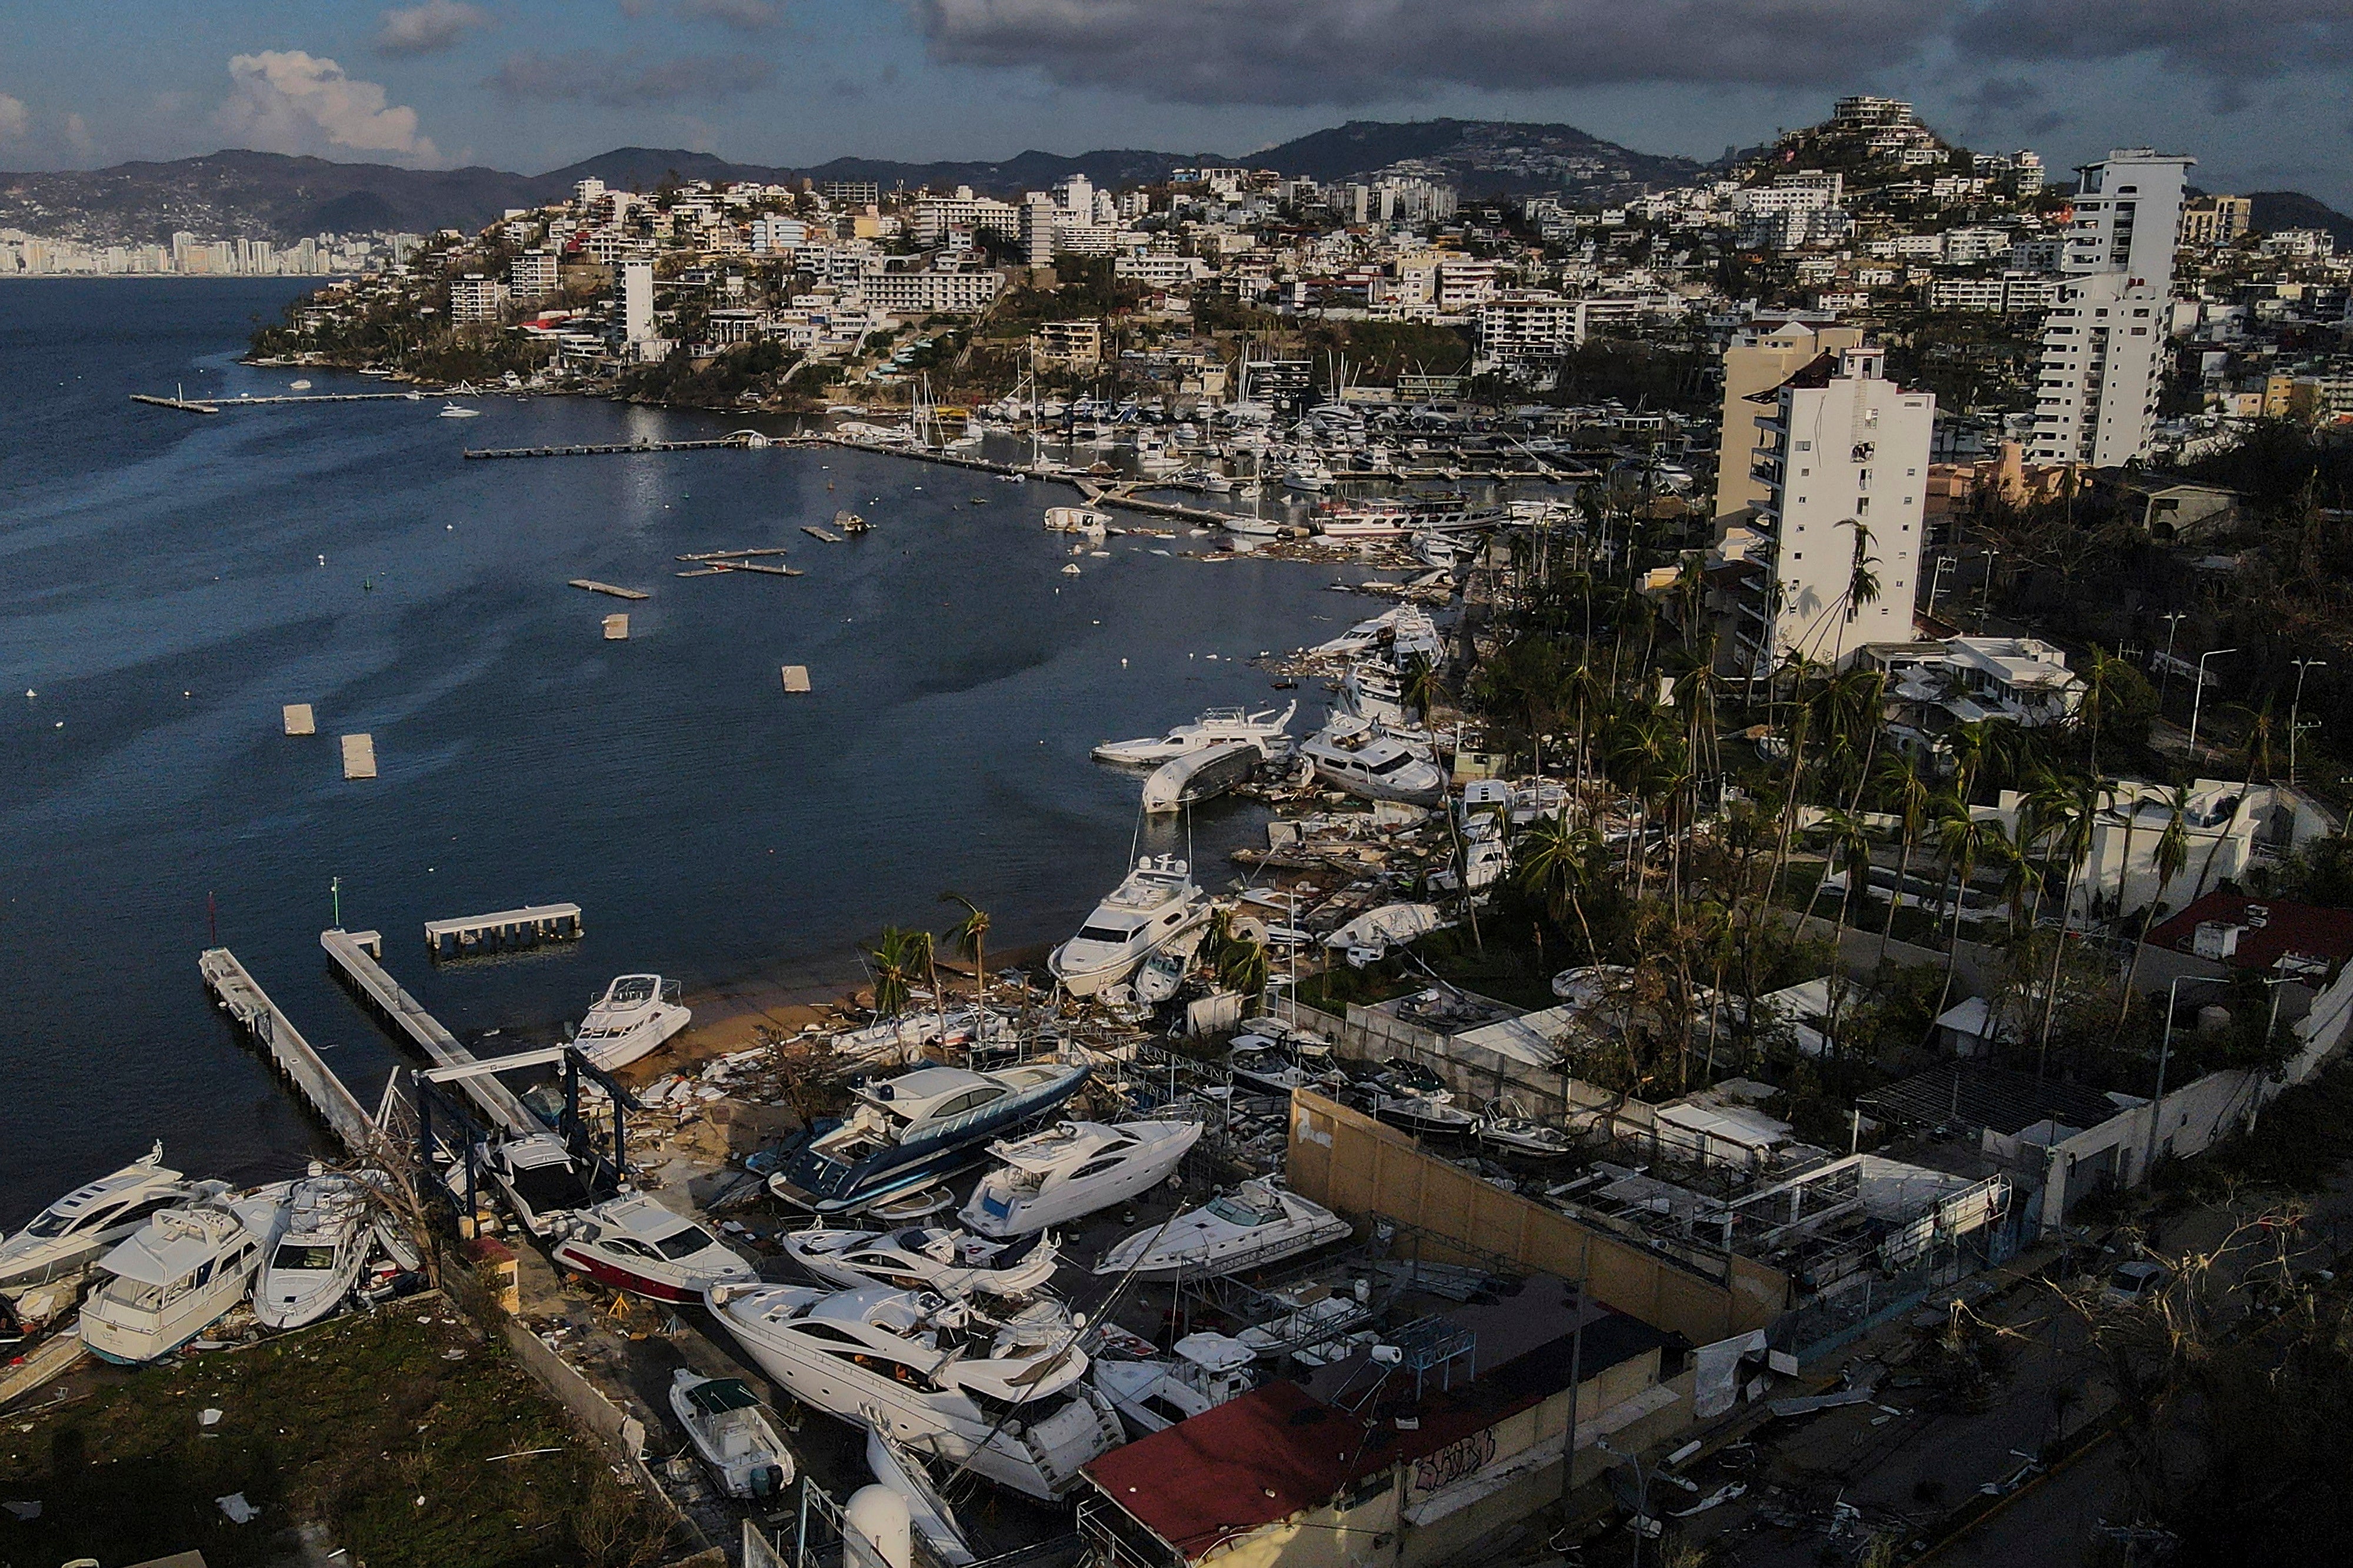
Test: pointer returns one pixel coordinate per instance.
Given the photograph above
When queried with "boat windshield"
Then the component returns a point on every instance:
(49, 1224)
(1114, 937)
(295, 1257)
(630, 993)
(1242, 1211)
(684, 1243)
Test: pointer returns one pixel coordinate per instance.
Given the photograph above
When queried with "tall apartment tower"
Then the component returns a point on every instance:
(1763, 354)
(637, 302)
(2103, 341)
(1843, 455)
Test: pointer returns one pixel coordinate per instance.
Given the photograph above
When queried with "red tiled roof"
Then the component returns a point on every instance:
(2275, 929)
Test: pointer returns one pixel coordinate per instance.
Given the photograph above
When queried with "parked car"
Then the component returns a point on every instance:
(2130, 1284)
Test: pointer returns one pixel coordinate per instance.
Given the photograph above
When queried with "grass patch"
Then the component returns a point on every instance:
(367, 1425)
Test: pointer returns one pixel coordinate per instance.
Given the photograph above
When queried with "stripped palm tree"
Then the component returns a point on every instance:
(2071, 807)
(1966, 842)
(971, 938)
(2172, 854)
(1850, 853)
(1900, 778)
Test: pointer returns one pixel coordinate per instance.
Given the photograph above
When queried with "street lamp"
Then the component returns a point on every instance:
(1937, 580)
(2198, 698)
(2294, 707)
(2164, 1054)
(1985, 589)
(2172, 620)
(1642, 1492)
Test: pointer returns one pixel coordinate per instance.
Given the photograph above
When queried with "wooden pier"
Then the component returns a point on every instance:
(179, 405)
(525, 927)
(242, 998)
(354, 954)
(740, 441)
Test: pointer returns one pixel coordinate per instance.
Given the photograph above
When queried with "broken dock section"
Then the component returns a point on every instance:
(525, 927)
(354, 954)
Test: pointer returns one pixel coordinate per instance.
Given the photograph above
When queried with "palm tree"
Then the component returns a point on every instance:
(1850, 851)
(971, 938)
(2071, 807)
(2102, 675)
(899, 957)
(1556, 859)
(1420, 686)
(2172, 854)
(1899, 777)
(1243, 966)
(1965, 841)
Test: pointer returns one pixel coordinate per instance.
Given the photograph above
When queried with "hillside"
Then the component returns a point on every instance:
(1481, 157)
(2276, 210)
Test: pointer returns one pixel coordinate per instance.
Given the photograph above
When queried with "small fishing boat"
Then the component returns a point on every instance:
(1519, 1138)
(927, 1257)
(635, 1244)
(1075, 1170)
(730, 1435)
(1256, 1224)
(1432, 1118)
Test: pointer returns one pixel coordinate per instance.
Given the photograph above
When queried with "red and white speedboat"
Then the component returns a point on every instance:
(632, 1243)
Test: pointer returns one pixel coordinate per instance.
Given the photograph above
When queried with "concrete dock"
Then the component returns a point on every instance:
(354, 954)
(359, 756)
(525, 927)
(590, 585)
(741, 441)
(300, 720)
(242, 998)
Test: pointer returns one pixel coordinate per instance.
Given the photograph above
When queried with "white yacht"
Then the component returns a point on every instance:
(633, 1243)
(178, 1276)
(1372, 764)
(1073, 1169)
(1204, 1371)
(1005, 1396)
(64, 1237)
(723, 1420)
(904, 1133)
(1307, 474)
(315, 1265)
(459, 411)
(1258, 1223)
(1218, 727)
(635, 1014)
(539, 1178)
(1156, 903)
(1202, 775)
(926, 1257)
(1372, 692)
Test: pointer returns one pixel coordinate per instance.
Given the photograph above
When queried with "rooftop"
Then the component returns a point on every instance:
(2271, 930)
(2005, 1102)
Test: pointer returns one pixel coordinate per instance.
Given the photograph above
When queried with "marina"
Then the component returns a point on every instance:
(355, 956)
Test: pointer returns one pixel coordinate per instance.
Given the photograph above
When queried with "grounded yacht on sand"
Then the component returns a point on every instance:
(634, 1243)
(1202, 775)
(1204, 1371)
(637, 1013)
(723, 1420)
(178, 1276)
(904, 1133)
(316, 1265)
(65, 1236)
(1073, 1169)
(1005, 1396)
(1216, 727)
(1257, 1223)
(926, 1258)
(1371, 765)
(1157, 903)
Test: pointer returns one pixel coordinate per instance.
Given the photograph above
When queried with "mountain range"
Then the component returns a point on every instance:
(270, 195)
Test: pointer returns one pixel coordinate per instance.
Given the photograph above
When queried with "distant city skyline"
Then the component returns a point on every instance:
(2255, 91)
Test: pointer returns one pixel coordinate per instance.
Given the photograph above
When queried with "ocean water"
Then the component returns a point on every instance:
(168, 580)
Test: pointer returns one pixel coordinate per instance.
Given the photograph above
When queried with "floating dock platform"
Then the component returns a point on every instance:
(592, 586)
(300, 720)
(359, 756)
(617, 628)
(242, 998)
(354, 954)
(797, 678)
(525, 927)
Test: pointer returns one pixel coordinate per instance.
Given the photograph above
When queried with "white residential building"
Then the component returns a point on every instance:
(1843, 455)
(928, 290)
(2103, 342)
(637, 302)
(776, 235)
(475, 299)
(935, 217)
(532, 275)
(1517, 327)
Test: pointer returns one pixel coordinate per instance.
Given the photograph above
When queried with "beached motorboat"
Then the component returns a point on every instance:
(315, 1265)
(1372, 692)
(64, 1237)
(1259, 1061)
(1391, 925)
(539, 1179)
(1371, 764)
(926, 1257)
(182, 1271)
(1204, 1371)
(633, 1243)
(1164, 973)
(1156, 903)
(1073, 1169)
(1256, 1224)
(1418, 1113)
(731, 1433)
(1202, 775)
(1519, 1138)
(904, 1133)
(634, 1014)
(1005, 1396)
(928, 1511)
(1218, 726)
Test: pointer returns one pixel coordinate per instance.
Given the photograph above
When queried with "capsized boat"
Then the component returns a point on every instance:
(633, 1243)
(1005, 1395)
(904, 1133)
(178, 1276)
(64, 1237)
(926, 1257)
(1073, 1169)
(928, 1511)
(1218, 726)
(1202, 775)
(1391, 925)
(635, 1014)
(315, 1265)
(730, 1435)
(1156, 903)
(1256, 1224)
(1204, 1371)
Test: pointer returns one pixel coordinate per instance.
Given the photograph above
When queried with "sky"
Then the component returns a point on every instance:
(2257, 91)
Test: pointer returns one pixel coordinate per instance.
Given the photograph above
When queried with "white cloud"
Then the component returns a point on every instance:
(290, 101)
(14, 119)
(77, 136)
(429, 28)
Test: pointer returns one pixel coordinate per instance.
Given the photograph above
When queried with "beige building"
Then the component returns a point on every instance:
(2216, 220)
(1762, 355)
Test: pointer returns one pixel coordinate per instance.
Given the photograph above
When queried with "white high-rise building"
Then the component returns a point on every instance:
(637, 302)
(2103, 341)
(1843, 455)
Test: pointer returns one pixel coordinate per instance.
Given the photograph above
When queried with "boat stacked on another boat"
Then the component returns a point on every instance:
(1073, 1170)
(1154, 905)
(926, 1257)
(1005, 1396)
(633, 1243)
(1202, 1372)
(1256, 1224)
(635, 1014)
(1204, 773)
(904, 1133)
(1218, 726)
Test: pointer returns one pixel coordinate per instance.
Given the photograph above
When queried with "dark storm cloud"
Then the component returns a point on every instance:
(2238, 41)
(1342, 51)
